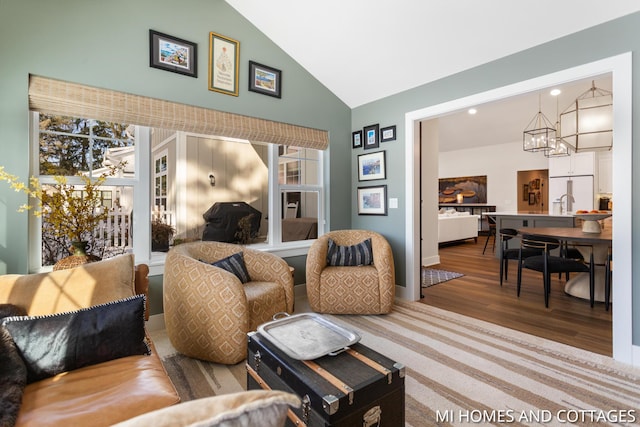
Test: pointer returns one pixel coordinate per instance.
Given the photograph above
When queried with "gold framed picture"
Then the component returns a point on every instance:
(224, 58)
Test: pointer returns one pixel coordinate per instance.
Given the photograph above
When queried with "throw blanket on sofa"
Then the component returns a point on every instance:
(13, 372)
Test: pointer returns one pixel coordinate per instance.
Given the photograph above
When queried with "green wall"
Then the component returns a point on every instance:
(603, 41)
(106, 44)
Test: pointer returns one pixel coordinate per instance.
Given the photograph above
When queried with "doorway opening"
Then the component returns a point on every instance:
(620, 67)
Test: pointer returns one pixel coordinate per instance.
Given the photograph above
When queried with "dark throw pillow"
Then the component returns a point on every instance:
(13, 378)
(358, 254)
(234, 264)
(63, 342)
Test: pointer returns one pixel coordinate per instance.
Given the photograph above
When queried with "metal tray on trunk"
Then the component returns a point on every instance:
(307, 336)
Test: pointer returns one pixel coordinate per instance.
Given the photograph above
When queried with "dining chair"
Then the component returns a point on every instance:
(548, 264)
(492, 232)
(572, 252)
(514, 253)
(507, 253)
(608, 269)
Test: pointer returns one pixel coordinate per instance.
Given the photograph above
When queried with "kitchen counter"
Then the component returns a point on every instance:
(531, 214)
(518, 220)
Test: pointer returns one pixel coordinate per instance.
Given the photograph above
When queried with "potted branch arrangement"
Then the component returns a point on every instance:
(65, 215)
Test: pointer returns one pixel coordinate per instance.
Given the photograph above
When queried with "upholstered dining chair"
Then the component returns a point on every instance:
(350, 289)
(208, 309)
(548, 264)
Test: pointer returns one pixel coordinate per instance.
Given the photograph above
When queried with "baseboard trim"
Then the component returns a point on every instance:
(432, 260)
(300, 291)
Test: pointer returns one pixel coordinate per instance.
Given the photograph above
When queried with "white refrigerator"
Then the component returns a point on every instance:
(581, 187)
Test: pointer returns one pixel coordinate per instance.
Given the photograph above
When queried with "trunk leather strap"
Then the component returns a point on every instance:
(372, 364)
(328, 376)
(290, 414)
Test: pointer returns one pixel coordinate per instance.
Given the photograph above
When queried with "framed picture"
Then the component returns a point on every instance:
(371, 136)
(173, 54)
(356, 139)
(372, 200)
(532, 198)
(265, 80)
(525, 192)
(224, 56)
(372, 166)
(388, 133)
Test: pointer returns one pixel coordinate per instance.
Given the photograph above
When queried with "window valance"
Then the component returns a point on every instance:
(72, 99)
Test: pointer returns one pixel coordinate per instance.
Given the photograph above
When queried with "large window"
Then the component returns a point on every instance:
(174, 175)
(79, 149)
(300, 187)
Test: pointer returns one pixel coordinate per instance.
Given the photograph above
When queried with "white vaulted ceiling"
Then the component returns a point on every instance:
(365, 50)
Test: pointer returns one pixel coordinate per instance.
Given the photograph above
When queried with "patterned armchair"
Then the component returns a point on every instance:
(208, 311)
(366, 289)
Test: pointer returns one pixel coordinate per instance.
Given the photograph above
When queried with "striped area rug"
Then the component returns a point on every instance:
(195, 378)
(463, 371)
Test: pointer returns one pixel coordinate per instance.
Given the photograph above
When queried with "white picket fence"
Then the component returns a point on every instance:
(116, 230)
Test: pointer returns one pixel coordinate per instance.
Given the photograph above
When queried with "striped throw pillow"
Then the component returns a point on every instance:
(234, 264)
(358, 254)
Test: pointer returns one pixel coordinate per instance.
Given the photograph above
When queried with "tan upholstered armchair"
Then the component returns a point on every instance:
(208, 311)
(351, 290)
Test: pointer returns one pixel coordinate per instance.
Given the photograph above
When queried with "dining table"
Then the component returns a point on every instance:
(578, 285)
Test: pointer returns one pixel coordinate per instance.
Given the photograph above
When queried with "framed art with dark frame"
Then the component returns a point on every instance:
(356, 139)
(371, 136)
(224, 56)
(265, 80)
(372, 200)
(173, 54)
(388, 133)
(372, 166)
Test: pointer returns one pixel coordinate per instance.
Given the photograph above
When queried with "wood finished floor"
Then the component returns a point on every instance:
(478, 294)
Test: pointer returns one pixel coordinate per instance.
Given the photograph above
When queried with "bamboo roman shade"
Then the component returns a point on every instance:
(71, 99)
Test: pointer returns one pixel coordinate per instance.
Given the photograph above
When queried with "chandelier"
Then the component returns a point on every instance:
(587, 124)
(539, 133)
(558, 147)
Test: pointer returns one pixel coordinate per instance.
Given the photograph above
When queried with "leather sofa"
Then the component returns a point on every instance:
(97, 395)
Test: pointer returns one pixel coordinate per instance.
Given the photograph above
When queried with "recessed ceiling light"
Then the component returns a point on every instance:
(555, 92)
(472, 111)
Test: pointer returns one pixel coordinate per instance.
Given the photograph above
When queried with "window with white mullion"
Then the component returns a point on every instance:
(85, 149)
(292, 172)
(300, 192)
(160, 181)
(90, 135)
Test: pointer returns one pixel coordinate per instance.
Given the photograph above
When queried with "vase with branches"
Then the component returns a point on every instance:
(66, 215)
